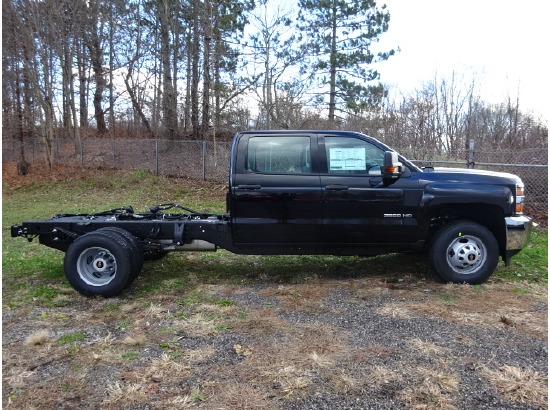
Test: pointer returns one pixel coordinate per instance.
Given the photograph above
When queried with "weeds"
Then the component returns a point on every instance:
(38, 338)
(531, 264)
(199, 297)
(435, 391)
(519, 385)
(130, 356)
(71, 338)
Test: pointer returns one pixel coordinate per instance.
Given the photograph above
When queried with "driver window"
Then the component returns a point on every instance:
(353, 156)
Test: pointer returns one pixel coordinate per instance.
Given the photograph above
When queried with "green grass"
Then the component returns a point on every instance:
(531, 264)
(198, 297)
(130, 356)
(448, 299)
(33, 273)
(123, 325)
(72, 338)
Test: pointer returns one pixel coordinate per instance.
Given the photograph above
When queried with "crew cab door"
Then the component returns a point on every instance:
(359, 207)
(276, 191)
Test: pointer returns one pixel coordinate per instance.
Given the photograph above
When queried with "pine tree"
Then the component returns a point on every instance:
(338, 38)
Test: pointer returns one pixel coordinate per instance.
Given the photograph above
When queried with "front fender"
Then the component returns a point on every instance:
(436, 194)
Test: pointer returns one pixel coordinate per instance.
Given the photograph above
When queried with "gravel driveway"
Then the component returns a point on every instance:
(370, 342)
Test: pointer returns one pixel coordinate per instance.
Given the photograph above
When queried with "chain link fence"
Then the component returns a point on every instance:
(531, 165)
(209, 160)
(192, 159)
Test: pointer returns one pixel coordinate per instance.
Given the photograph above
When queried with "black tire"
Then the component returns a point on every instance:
(137, 251)
(464, 252)
(99, 264)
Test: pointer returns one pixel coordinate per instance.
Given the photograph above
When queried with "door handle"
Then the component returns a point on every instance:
(337, 187)
(249, 187)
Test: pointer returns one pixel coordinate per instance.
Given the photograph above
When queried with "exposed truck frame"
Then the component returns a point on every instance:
(465, 220)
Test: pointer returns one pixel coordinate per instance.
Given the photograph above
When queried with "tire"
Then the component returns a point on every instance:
(464, 252)
(137, 251)
(99, 264)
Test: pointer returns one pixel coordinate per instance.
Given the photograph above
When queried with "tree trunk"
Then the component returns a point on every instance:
(187, 108)
(207, 27)
(111, 70)
(332, 94)
(97, 66)
(83, 84)
(195, 72)
(96, 58)
(22, 164)
(169, 115)
(47, 106)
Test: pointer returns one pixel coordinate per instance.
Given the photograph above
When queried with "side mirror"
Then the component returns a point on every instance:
(392, 167)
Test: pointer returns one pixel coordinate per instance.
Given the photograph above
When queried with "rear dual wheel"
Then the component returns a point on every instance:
(103, 263)
(135, 249)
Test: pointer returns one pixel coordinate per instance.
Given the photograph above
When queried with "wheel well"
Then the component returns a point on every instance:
(491, 217)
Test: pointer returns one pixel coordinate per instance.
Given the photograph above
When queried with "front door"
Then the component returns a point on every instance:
(358, 207)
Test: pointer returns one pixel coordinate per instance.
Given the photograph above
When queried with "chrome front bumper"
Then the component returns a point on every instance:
(518, 229)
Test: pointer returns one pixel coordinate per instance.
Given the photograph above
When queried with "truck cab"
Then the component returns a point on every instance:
(345, 193)
(320, 191)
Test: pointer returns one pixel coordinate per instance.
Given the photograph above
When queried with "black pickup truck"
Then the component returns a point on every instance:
(307, 192)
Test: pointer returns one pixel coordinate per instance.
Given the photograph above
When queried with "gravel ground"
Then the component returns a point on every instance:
(326, 343)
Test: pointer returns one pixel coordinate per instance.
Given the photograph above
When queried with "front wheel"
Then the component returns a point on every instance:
(97, 264)
(464, 252)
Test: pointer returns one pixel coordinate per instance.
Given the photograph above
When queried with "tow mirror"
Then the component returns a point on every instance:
(392, 167)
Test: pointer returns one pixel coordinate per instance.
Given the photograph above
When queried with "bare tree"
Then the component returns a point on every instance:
(166, 12)
(39, 56)
(272, 51)
(206, 82)
(195, 59)
(94, 38)
(16, 98)
(134, 53)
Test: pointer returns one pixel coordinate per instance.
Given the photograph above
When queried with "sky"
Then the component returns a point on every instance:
(501, 43)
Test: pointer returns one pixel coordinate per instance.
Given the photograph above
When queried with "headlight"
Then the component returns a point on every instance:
(520, 198)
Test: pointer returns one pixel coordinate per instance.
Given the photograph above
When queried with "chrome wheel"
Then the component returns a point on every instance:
(466, 254)
(96, 266)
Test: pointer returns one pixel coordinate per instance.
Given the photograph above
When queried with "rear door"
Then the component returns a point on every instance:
(276, 192)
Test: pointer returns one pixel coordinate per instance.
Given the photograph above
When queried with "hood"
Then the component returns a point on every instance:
(464, 174)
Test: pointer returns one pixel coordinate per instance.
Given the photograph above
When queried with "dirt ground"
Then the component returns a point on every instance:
(330, 342)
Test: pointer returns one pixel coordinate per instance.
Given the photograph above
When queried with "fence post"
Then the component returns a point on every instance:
(81, 153)
(470, 155)
(204, 160)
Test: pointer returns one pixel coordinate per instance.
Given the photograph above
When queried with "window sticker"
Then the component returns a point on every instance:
(347, 159)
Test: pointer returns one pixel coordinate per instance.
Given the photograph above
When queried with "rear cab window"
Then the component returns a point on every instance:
(279, 155)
